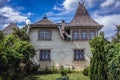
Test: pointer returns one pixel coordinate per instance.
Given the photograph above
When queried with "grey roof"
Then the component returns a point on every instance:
(44, 22)
(82, 18)
(9, 28)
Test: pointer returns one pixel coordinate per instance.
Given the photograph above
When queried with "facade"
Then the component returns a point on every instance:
(65, 44)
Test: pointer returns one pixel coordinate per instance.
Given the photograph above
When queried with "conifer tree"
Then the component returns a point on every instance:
(98, 66)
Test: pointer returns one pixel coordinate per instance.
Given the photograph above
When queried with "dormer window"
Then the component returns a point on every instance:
(44, 35)
(84, 35)
(92, 34)
(75, 35)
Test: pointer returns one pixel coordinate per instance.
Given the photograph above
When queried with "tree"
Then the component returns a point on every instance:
(1, 35)
(113, 57)
(114, 63)
(117, 36)
(98, 64)
(106, 58)
(21, 33)
(13, 53)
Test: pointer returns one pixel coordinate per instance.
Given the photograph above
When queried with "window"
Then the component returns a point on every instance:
(44, 35)
(75, 35)
(79, 54)
(84, 35)
(92, 34)
(45, 55)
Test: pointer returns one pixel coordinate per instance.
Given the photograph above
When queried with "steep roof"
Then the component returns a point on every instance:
(44, 22)
(9, 28)
(82, 18)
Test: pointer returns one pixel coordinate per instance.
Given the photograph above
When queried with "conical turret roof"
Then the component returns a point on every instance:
(82, 18)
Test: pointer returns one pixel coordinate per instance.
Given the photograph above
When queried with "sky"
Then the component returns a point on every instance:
(105, 12)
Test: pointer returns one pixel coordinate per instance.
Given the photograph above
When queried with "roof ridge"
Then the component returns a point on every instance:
(45, 21)
(81, 11)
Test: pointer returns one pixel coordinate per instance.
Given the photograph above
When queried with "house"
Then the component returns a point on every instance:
(9, 28)
(65, 44)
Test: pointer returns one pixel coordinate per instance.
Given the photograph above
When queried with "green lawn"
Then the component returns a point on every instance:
(72, 76)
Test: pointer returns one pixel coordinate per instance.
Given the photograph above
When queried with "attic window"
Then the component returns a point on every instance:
(44, 35)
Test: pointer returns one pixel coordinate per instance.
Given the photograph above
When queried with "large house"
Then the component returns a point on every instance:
(65, 44)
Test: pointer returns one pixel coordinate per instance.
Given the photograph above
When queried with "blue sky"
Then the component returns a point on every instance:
(105, 12)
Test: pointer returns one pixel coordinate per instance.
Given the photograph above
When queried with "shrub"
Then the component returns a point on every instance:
(0, 78)
(86, 71)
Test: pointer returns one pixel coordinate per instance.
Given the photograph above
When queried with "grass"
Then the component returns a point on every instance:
(72, 76)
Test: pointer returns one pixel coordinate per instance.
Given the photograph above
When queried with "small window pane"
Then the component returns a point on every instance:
(44, 54)
(79, 54)
(45, 35)
(76, 35)
(92, 34)
(84, 35)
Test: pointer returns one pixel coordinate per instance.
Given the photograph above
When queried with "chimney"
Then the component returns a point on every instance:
(63, 25)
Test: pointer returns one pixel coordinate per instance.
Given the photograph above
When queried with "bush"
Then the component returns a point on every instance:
(86, 71)
(0, 78)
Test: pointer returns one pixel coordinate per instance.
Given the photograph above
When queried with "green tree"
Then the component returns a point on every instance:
(114, 63)
(113, 57)
(21, 33)
(15, 54)
(1, 35)
(98, 64)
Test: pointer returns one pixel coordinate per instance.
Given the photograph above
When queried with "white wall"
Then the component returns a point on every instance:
(61, 50)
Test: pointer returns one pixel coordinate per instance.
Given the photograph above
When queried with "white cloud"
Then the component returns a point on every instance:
(56, 7)
(111, 4)
(3, 2)
(29, 13)
(107, 3)
(4, 25)
(12, 15)
(117, 4)
(70, 4)
(8, 14)
(109, 23)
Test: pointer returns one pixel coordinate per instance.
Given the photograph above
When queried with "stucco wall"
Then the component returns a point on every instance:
(61, 50)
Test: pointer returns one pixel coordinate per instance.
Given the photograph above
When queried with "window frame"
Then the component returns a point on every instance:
(93, 35)
(47, 56)
(82, 36)
(44, 33)
(77, 34)
(79, 56)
